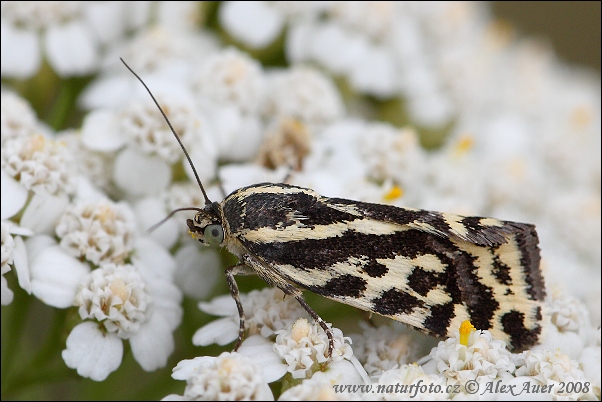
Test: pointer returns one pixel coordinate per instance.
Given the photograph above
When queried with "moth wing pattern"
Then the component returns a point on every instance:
(427, 269)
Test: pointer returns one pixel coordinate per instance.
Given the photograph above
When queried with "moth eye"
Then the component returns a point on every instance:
(214, 234)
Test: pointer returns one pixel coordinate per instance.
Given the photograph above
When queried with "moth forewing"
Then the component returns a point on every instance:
(427, 269)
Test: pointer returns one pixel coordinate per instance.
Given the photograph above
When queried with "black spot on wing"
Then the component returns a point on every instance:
(501, 271)
(521, 337)
(421, 281)
(440, 319)
(375, 269)
(393, 302)
(344, 285)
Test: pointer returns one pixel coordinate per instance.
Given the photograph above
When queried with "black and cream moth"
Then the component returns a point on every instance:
(427, 269)
(430, 270)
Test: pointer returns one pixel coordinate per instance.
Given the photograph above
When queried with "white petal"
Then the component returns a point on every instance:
(343, 371)
(13, 196)
(298, 41)
(19, 231)
(149, 211)
(138, 174)
(188, 367)
(261, 351)
(20, 52)
(251, 22)
(375, 73)
(93, 353)
(198, 270)
(36, 244)
(56, 276)
(221, 331)
(173, 397)
(167, 299)
(43, 212)
(239, 136)
(86, 190)
(70, 49)
(156, 261)
(223, 305)
(99, 132)
(106, 19)
(6, 295)
(153, 344)
(106, 92)
(21, 264)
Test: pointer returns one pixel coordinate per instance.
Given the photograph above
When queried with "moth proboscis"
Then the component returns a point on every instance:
(427, 269)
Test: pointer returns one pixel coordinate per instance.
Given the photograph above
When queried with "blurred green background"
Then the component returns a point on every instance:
(572, 28)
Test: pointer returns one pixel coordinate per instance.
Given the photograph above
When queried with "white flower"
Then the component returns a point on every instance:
(304, 347)
(286, 144)
(408, 381)
(227, 377)
(92, 166)
(18, 120)
(266, 311)
(130, 302)
(552, 369)
(391, 153)
(116, 297)
(255, 23)
(36, 166)
(69, 35)
(98, 232)
(230, 88)
(383, 348)
(320, 387)
(146, 129)
(482, 357)
(302, 93)
(570, 328)
(231, 78)
(40, 164)
(143, 166)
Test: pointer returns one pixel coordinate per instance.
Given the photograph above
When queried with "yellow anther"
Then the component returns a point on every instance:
(393, 194)
(464, 144)
(466, 329)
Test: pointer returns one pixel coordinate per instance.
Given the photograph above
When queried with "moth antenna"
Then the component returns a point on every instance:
(162, 221)
(207, 201)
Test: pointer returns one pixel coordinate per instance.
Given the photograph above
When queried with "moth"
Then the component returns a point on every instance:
(427, 269)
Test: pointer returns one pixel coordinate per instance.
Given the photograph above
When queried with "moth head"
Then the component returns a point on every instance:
(207, 226)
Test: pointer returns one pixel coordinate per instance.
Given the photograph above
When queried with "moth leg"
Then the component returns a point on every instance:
(289, 174)
(243, 270)
(265, 272)
(299, 296)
